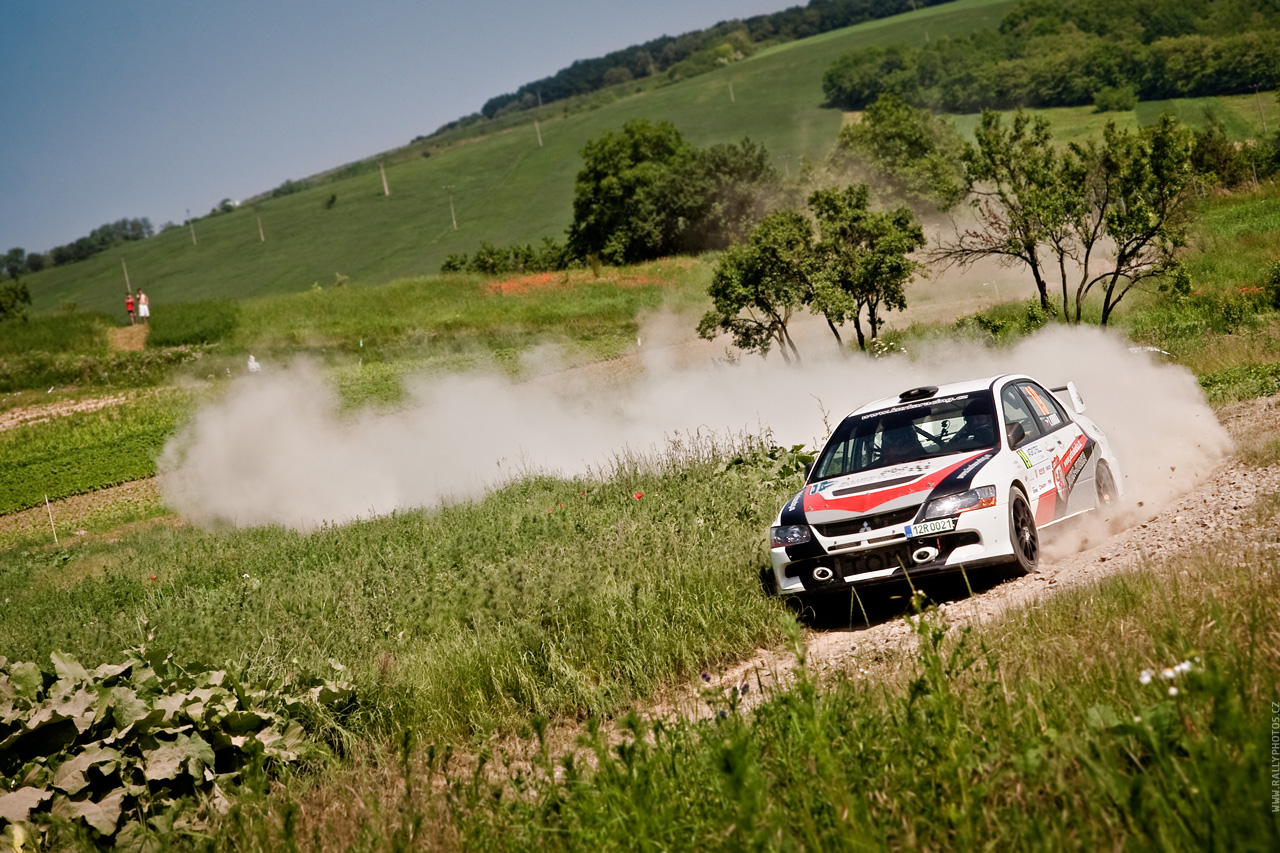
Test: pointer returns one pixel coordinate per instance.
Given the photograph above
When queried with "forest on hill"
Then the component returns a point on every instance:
(1049, 53)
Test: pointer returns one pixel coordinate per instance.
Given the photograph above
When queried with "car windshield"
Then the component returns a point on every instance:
(911, 432)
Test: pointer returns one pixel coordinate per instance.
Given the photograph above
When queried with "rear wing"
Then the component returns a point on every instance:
(1077, 402)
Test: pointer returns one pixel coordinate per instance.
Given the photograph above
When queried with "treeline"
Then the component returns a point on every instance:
(692, 53)
(17, 261)
(1073, 52)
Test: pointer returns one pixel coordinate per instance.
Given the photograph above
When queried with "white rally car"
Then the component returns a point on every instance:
(937, 479)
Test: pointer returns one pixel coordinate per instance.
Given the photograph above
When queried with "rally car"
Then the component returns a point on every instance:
(942, 478)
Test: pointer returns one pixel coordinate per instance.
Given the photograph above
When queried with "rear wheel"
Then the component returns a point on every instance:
(1106, 484)
(1022, 533)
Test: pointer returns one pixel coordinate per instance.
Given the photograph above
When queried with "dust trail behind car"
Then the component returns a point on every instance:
(276, 450)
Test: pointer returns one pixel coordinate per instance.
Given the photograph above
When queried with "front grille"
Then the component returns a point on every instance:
(871, 561)
(873, 522)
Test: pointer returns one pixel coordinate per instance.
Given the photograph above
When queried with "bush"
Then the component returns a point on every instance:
(194, 323)
(1115, 99)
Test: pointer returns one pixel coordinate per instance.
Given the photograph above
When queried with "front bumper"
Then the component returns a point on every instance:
(887, 555)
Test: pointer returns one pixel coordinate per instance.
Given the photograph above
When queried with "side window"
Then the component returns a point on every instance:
(1045, 408)
(1016, 411)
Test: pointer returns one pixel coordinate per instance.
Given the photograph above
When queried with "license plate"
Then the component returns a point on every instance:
(928, 528)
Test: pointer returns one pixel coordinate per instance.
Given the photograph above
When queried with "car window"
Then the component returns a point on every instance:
(1017, 411)
(960, 423)
(1044, 407)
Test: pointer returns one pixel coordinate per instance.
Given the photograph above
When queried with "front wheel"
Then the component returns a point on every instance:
(1022, 533)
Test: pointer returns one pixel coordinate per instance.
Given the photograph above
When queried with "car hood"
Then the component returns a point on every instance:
(886, 489)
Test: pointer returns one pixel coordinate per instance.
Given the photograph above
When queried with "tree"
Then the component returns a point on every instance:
(862, 259)
(1106, 215)
(1148, 174)
(14, 263)
(14, 299)
(616, 212)
(858, 262)
(645, 192)
(1020, 198)
(760, 284)
(913, 152)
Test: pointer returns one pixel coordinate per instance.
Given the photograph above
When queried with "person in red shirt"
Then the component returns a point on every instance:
(128, 306)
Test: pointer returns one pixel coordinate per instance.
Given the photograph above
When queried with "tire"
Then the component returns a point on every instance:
(1023, 535)
(1106, 486)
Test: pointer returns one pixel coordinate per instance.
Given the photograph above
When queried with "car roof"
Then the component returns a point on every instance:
(968, 386)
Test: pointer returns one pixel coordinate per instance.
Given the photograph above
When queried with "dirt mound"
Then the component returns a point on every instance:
(129, 337)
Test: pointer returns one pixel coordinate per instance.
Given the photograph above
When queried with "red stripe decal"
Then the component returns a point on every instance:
(867, 501)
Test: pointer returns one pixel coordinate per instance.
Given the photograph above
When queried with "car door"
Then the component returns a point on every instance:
(1032, 462)
(1071, 449)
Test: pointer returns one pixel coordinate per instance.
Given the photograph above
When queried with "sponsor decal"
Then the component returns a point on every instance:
(909, 406)
(928, 528)
(1026, 460)
(1036, 398)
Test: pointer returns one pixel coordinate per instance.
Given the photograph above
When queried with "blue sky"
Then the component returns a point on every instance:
(143, 108)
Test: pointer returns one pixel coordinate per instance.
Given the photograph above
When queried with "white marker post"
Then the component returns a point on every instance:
(385, 189)
(262, 238)
(49, 510)
(538, 131)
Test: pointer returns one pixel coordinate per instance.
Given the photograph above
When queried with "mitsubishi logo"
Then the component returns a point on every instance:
(866, 527)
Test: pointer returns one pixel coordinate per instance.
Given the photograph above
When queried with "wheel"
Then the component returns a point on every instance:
(1106, 486)
(1022, 532)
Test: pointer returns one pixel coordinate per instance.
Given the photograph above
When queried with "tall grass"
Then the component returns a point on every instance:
(550, 596)
(193, 323)
(55, 333)
(1036, 731)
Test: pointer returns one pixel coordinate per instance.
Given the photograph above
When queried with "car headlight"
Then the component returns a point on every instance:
(791, 534)
(979, 498)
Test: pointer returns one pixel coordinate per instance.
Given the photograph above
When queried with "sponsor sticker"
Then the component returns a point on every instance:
(928, 528)
(1026, 460)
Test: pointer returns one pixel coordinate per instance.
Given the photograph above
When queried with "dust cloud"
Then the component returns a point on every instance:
(276, 450)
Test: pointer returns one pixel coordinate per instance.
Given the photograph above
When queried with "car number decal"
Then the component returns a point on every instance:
(928, 528)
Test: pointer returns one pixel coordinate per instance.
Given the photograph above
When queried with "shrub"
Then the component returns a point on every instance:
(1117, 99)
(116, 753)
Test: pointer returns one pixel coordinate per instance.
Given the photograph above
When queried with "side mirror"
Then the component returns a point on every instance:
(808, 469)
(1016, 434)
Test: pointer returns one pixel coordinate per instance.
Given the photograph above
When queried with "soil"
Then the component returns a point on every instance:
(130, 337)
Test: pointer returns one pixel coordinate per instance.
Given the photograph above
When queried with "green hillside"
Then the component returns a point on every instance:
(505, 187)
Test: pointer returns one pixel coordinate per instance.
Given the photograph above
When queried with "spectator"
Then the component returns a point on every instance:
(144, 306)
(128, 306)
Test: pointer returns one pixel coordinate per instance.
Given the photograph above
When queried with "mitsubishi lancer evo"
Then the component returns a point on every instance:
(940, 479)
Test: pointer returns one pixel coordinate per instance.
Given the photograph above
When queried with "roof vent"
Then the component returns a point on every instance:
(924, 392)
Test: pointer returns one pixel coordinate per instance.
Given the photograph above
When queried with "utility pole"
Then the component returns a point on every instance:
(452, 215)
(262, 238)
(385, 189)
(538, 131)
(128, 288)
(192, 225)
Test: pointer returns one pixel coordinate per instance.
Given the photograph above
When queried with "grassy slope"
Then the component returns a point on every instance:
(506, 189)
